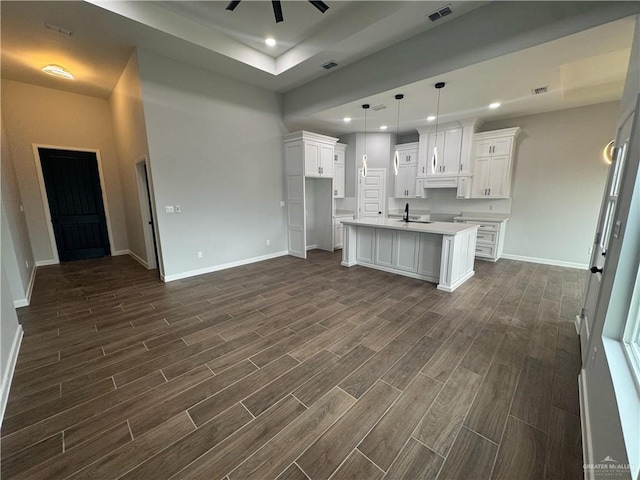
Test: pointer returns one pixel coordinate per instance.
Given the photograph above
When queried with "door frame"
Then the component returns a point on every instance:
(45, 198)
(384, 190)
(152, 246)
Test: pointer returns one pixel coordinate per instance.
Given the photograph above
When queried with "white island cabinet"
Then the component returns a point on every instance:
(439, 252)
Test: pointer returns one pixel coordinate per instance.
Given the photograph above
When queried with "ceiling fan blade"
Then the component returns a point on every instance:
(323, 7)
(277, 10)
(232, 5)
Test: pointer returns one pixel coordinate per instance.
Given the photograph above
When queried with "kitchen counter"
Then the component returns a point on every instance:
(438, 252)
(480, 216)
(439, 228)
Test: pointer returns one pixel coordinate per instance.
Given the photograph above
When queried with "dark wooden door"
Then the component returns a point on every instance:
(73, 189)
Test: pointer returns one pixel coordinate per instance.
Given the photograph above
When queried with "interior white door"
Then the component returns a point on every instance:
(606, 229)
(372, 193)
(296, 219)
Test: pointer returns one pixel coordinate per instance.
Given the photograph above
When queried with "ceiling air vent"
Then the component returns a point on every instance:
(377, 108)
(329, 65)
(539, 90)
(442, 12)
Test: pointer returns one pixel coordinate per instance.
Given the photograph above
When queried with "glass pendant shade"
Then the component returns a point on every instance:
(434, 160)
(364, 165)
(396, 161)
(396, 155)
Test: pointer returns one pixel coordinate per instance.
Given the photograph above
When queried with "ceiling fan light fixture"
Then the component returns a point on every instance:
(58, 71)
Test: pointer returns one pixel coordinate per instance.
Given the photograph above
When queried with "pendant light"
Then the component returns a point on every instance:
(434, 159)
(396, 155)
(365, 107)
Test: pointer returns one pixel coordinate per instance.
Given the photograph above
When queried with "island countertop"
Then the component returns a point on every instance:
(441, 228)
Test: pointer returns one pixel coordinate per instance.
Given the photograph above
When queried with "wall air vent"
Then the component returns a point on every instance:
(539, 90)
(441, 12)
(377, 108)
(329, 65)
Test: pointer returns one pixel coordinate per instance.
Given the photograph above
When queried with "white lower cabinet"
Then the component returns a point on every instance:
(384, 247)
(365, 244)
(489, 239)
(405, 251)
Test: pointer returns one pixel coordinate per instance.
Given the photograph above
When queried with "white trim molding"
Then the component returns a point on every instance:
(44, 263)
(138, 259)
(587, 443)
(224, 266)
(24, 302)
(118, 253)
(7, 375)
(546, 261)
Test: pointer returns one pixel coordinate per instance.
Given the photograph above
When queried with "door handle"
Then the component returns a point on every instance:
(595, 269)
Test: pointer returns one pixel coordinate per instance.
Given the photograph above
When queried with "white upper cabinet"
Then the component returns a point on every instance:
(317, 153)
(493, 163)
(454, 142)
(339, 170)
(406, 181)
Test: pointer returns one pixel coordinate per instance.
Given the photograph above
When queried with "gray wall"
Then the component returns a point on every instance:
(52, 117)
(215, 148)
(9, 330)
(558, 181)
(16, 247)
(131, 145)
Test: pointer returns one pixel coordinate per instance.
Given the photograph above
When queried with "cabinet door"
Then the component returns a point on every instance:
(464, 187)
(482, 148)
(338, 157)
(384, 247)
(365, 244)
(498, 181)
(438, 142)
(481, 170)
(502, 146)
(406, 251)
(409, 156)
(411, 173)
(399, 183)
(337, 236)
(452, 150)
(312, 159)
(338, 180)
(326, 160)
(429, 255)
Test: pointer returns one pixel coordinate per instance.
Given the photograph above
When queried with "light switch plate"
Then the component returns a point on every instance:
(168, 209)
(178, 209)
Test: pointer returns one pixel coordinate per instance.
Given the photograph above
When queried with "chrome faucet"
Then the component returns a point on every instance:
(406, 213)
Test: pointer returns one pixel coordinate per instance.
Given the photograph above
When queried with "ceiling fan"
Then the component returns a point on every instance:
(277, 7)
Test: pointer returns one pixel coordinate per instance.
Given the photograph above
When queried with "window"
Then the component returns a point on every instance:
(631, 336)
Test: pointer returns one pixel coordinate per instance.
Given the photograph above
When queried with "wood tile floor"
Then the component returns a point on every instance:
(296, 369)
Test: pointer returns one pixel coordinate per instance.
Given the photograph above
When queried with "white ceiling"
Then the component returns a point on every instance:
(204, 33)
(584, 68)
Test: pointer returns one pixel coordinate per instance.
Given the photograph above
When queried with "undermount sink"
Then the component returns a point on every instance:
(415, 221)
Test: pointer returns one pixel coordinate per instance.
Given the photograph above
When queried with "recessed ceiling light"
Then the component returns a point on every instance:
(431, 118)
(57, 71)
(495, 105)
(346, 119)
(271, 42)
(383, 127)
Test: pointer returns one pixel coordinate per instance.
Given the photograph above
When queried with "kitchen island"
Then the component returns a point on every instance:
(438, 252)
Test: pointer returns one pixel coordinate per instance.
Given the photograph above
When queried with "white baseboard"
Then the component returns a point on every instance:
(117, 253)
(44, 263)
(24, 302)
(215, 268)
(587, 443)
(138, 259)
(546, 261)
(7, 375)
(311, 247)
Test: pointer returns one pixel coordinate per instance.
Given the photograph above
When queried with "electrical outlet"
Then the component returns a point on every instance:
(199, 254)
(492, 207)
(268, 242)
(168, 209)
(178, 209)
